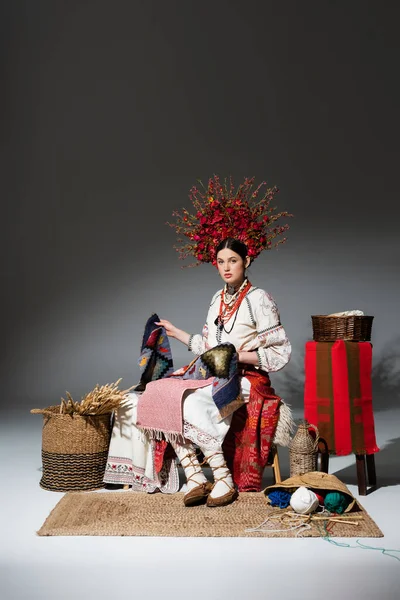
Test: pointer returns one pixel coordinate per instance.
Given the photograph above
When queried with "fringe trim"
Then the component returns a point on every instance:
(285, 426)
(173, 437)
(283, 432)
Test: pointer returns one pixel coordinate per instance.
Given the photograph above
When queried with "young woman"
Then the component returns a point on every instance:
(248, 318)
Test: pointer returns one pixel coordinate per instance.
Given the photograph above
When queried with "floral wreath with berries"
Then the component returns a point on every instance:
(246, 214)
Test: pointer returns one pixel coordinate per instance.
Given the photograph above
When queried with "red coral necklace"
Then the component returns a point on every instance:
(225, 311)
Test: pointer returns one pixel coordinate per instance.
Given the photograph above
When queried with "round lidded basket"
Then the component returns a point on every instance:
(354, 328)
(303, 450)
(74, 450)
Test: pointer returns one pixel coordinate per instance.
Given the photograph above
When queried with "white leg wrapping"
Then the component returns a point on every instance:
(191, 466)
(222, 475)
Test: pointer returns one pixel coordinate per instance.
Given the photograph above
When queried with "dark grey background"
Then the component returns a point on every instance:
(112, 110)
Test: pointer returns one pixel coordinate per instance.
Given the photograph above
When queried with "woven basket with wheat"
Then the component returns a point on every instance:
(75, 438)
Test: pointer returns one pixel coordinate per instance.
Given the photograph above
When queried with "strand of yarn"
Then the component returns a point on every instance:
(306, 527)
(385, 551)
(300, 525)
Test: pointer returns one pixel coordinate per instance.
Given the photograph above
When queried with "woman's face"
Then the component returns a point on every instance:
(231, 266)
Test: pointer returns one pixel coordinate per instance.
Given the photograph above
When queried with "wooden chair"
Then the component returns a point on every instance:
(274, 464)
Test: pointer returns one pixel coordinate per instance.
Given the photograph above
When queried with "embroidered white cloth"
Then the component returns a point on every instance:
(255, 326)
(131, 455)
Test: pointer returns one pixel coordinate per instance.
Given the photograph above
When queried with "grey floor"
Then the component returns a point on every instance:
(196, 568)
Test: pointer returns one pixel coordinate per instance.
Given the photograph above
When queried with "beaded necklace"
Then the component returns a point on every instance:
(226, 310)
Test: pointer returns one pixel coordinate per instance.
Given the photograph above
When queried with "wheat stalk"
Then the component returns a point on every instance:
(101, 400)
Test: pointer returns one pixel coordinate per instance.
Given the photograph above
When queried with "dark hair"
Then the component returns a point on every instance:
(234, 245)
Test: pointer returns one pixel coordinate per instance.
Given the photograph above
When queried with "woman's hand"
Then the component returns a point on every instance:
(248, 358)
(173, 331)
(170, 329)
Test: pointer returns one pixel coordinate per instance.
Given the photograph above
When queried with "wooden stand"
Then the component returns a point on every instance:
(365, 465)
(274, 464)
(276, 468)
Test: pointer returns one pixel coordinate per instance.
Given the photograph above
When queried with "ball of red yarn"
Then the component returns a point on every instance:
(320, 498)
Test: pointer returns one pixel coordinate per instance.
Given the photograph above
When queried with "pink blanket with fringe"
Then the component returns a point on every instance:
(160, 406)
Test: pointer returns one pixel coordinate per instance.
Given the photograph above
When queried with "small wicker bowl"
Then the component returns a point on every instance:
(352, 329)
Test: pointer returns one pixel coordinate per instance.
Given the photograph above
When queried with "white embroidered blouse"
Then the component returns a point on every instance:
(255, 326)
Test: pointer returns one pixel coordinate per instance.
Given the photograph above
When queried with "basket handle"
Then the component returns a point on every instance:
(311, 426)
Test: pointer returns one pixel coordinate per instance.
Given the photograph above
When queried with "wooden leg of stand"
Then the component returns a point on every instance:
(371, 469)
(276, 467)
(361, 474)
(126, 487)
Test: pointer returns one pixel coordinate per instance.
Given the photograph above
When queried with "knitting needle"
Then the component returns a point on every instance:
(337, 518)
(341, 521)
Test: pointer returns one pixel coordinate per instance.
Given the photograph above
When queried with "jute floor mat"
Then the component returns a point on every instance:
(138, 514)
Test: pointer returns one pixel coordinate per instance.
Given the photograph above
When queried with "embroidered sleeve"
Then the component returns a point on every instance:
(198, 342)
(274, 348)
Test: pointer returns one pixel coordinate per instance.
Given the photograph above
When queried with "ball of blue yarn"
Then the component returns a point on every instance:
(336, 502)
(280, 498)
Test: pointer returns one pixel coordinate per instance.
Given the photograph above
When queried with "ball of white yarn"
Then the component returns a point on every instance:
(304, 501)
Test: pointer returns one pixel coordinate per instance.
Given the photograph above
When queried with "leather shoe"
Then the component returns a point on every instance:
(227, 498)
(198, 495)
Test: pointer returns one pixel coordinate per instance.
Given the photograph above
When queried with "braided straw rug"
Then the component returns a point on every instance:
(127, 513)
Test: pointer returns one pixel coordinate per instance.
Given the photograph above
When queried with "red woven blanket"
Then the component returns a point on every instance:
(338, 395)
(248, 442)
